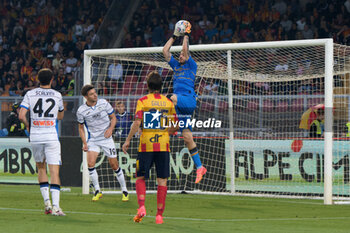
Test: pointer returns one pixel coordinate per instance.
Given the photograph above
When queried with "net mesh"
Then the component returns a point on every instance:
(276, 95)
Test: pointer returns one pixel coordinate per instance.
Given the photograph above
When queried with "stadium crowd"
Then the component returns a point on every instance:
(233, 21)
(53, 34)
(45, 34)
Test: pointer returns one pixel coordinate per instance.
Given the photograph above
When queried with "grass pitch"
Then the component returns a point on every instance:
(21, 210)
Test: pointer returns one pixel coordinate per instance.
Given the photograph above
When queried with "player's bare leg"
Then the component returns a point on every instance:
(161, 196)
(55, 190)
(91, 160)
(118, 172)
(141, 197)
(44, 186)
(192, 147)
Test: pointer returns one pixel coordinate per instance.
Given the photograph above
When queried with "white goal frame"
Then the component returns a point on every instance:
(328, 135)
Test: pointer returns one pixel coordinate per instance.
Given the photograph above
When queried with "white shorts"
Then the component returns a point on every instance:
(49, 152)
(107, 146)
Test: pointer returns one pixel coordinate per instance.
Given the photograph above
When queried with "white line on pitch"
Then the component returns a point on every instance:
(191, 219)
(211, 197)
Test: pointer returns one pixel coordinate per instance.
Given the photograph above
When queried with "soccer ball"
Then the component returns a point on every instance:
(180, 27)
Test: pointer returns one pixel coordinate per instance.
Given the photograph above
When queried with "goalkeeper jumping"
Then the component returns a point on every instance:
(184, 97)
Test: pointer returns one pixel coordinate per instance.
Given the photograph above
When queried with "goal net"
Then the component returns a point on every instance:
(265, 95)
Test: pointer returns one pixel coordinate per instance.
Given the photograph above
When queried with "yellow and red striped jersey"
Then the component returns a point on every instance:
(155, 110)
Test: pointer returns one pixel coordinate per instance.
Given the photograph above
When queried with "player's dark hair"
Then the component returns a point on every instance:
(45, 75)
(118, 103)
(85, 90)
(154, 81)
(320, 111)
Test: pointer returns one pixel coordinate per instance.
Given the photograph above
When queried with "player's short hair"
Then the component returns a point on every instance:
(154, 81)
(85, 90)
(119, 102)
(45, 75)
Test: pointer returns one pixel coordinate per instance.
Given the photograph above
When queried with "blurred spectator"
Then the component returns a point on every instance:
(115, 74)
(344, 34)
(139, 42)
(211, 89)
(211, 32)
(157, 33)
(88, 44)
(14, 126)
(71, 62)
(197, 33)
(128, 43)
(280, 6)
(204, 23)
(286, 23)
(347, 5)
(226, 33)
(29, 86)
(62, 81)
(78, 28)
(71, 84)
(282, 65)
(317, 126)
(56, 63)
(307, 32)
(67, 45)
(323, 31)
(124, 120)
(55, 44)
(301, 23)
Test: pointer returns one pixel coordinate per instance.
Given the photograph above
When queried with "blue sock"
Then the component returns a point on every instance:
(195, 156)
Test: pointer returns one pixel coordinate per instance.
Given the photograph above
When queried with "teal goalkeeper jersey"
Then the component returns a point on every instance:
(184, 76)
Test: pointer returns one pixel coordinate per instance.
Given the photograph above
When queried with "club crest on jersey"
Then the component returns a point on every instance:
(151, 120)
(96, 115)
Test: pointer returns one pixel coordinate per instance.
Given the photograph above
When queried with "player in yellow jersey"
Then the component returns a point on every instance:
(157, 113)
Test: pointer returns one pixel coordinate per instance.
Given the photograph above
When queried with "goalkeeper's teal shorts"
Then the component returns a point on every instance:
(186, 104)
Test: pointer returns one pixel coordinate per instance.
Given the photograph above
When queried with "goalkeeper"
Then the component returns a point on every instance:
(184, 97)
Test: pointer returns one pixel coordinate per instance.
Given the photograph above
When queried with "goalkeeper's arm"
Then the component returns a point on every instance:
(186, 41)
(185, 47)
(166, 49)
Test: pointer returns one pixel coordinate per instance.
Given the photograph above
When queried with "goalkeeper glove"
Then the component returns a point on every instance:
(188, 28)
(176, 34)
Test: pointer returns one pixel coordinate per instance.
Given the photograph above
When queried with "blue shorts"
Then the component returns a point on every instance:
(145, 161)
(186, 104)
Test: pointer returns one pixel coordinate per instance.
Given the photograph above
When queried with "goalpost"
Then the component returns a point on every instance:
(259, 92)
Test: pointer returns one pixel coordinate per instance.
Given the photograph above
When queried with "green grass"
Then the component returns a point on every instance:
(21, 210)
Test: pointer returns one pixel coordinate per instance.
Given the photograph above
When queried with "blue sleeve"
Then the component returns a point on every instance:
(192, 64)
(117, 125)
(173, 62)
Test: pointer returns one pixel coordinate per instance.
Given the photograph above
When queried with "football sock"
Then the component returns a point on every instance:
(161, 196)
(55, 194)
(141, 191)
(44, 189)
(120, 177)
(94, 178)
(195, 156)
